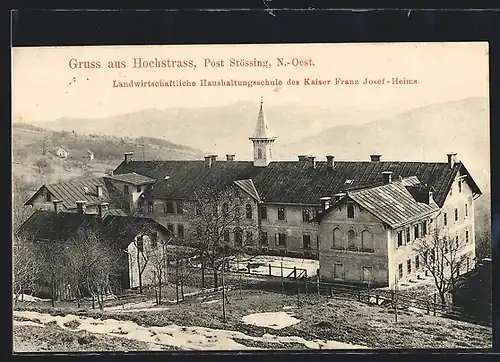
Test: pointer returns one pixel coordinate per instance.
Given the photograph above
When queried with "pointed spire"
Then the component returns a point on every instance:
(262, 130)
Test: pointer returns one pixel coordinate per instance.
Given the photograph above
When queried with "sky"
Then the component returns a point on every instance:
(45, 87)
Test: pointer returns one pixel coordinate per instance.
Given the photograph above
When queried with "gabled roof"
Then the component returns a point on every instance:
(74, 190)
(392, 203)
(248, 187)
(132, 178)
(291, 181)
(262, 130)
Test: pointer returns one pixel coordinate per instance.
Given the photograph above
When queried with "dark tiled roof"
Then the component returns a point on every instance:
(133, 178)
(392, 203)
(290, 181)
(248, 187)
(51, 226)
(74, 190)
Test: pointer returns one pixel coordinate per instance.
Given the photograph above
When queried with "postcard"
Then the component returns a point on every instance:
(251, 197)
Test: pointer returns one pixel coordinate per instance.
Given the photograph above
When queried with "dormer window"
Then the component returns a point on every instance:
(125, 189)
(348, 182)
(138, 189)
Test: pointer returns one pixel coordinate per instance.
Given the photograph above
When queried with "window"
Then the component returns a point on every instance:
(259, 153)
(367, 274)
(351, 240)
(416, 231)
(180, 230)
(263, 238)
(338, 271)
(445, 244)
(408, 266)
(140, 206)
(263, 212)
(417, 262)
(248, 211)
(459, 185)
(337, 239)
(408, 235)
(225, 208)
(445, 219)
(457, 242)
(153, 240)
(281, 213)
(151, 206)
(180, 207)
(350, 211)
(226, 235)
(282, 239)
(305, 215)
(140, 243)
(400, 238)
(366, 241)
(169, 207)
(456, 214)
(249, 239)
(466, 211)
(47, 196)
(306, 242)
(170, 228)
(125, 189)
(238, 236)
(400, 271)
(466, 236)
(424, 228)
(138, 189)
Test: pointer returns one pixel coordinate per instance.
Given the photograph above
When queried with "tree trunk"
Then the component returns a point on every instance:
(442, 296)
(139, 272)
(159, 287)
(52, 294)
(215, 278)
(202, 272)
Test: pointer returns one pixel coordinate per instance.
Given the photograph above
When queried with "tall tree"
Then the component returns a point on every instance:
(25, 266)
(216, 213)
(442, 257)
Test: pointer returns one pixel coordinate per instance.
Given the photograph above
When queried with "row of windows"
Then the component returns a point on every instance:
(352, 240)
(421, 264)
(419, 230)
(466, 215)
(126, 189)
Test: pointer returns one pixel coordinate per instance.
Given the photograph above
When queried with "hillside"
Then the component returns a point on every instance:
(218, 129)
(35, 160)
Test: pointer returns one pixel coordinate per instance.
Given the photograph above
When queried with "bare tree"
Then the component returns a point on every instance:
(442, 257)
(53, 264)
(216, 212)
(20, 192)
(92, 262)
(25, 266)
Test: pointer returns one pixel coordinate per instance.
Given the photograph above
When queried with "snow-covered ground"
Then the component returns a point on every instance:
(277, 320)
(29, 298)
(276, 262)
(187, 338)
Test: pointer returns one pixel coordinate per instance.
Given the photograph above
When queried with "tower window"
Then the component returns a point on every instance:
(350, 211)
(281, 213)
(259, 153)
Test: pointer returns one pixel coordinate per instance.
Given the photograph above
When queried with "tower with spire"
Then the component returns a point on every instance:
(263, 140)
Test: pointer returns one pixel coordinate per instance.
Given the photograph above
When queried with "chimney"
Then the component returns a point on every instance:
(452, 159)
(303, 159)
(214, 159)
(99, 190)
(129, 156)
(57, 205)
(229, 158)
(99, 211)
(325, 202)
(387, 175)
(208, 161)
(312, 161)
(375, 158)
(329, 162)
(80, 207)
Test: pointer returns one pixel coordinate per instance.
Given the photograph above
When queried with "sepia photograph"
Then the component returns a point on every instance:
(251, 197)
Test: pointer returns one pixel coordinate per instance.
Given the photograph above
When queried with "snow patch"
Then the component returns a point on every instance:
(277, 320)
(29, 298)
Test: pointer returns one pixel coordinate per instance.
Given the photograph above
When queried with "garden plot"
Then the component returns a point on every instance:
(260, 265)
